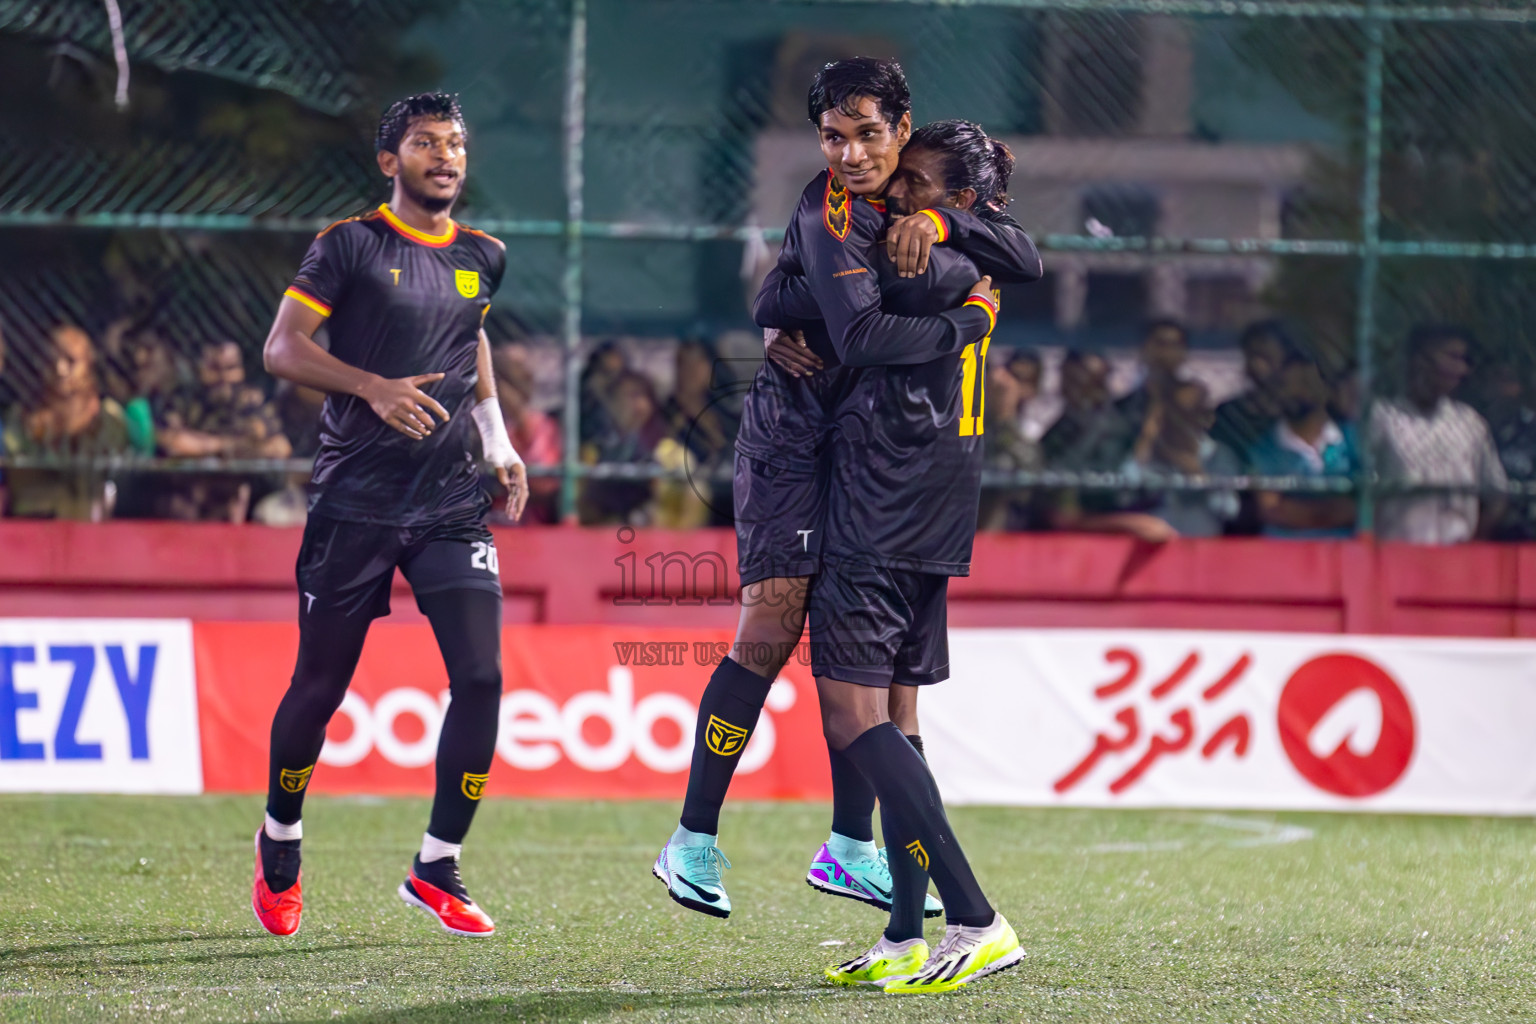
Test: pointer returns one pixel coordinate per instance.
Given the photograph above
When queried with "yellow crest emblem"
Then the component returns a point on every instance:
(724, 738)
(915, 848)
(468, 282)
(294, 781)
(474, 785)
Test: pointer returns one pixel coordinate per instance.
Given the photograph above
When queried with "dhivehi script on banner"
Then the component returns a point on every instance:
(1107, 718)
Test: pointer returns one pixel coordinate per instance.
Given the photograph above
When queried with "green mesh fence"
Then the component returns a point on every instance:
(1357, 168)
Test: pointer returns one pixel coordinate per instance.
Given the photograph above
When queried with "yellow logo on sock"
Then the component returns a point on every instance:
(294, 781)
(724, 738)
(474, 785)
(915, 848)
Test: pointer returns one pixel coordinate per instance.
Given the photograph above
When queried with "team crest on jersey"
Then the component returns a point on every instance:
(468, 282)
(294, 781)
(835, 212)
(724, 738)
(474, 785)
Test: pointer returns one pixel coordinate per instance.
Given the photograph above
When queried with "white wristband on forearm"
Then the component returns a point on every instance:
(493, 434)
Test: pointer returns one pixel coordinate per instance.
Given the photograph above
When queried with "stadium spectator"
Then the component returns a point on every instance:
(153, 379)
(1504, 397)
(298, 417)
(1164, 350)
(1093, 436)
(220, 416)
(633, 433)
(298, 410)
(1243, 421)
(71, 419)
(599, 379)
(535, 434)
(1345, 401)
(1426, 438)
(1011, 384)
(704, 435)
(1306, 442)
(1175, 439)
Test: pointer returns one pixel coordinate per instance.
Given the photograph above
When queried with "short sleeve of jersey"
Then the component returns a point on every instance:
(323, 274)
(499, 265)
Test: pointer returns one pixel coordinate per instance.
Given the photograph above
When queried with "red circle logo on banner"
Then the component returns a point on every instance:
(1346, 725)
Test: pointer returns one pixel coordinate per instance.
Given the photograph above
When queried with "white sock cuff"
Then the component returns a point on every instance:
(433, 848)
(283, 833)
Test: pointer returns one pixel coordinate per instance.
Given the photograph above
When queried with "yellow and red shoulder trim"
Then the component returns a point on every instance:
(834, 212)
(336, 224)
(308, 300)
(420, 237)
(878, 204)
(989, 306)
(938, 222)
(483, 234)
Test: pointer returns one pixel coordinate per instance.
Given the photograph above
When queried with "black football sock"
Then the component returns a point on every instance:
(467, 624)
(728, 713)
(329, 646)
(441, 874)
(853, 800)
(909, 883)
(918, 826)
(279, 862)
(917, 742)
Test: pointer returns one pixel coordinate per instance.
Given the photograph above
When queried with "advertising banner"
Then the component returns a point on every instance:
(98, 706)
(586, 711)
(1124, 718)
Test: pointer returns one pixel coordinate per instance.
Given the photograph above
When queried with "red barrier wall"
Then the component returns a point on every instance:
(569, 575)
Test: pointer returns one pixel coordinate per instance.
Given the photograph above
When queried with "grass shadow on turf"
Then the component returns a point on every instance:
(28, 956)
(562, 1006)
(20, 952)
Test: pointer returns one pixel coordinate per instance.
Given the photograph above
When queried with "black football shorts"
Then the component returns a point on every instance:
(878, 626)
(778, 519)
(348, 567)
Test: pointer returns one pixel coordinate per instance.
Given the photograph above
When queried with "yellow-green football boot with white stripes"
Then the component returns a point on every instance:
(885, 962)
(967, 954)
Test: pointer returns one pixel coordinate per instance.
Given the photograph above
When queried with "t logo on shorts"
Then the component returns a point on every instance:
(294, 781)
(724, 738)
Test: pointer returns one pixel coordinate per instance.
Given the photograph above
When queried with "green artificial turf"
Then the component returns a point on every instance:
(136, 908)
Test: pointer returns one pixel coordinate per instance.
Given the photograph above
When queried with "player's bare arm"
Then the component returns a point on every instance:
(291, 353)
(510, 469)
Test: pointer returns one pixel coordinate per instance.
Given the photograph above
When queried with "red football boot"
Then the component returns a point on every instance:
(277, 912)
(445, 898)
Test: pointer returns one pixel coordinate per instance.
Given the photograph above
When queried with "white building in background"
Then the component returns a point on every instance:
(1106, 168)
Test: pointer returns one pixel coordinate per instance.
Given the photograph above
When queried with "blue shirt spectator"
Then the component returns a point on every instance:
(1307, 443)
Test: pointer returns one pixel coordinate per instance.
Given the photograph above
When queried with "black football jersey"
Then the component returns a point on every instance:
(398, 303)
(831, 242)
(906, 449)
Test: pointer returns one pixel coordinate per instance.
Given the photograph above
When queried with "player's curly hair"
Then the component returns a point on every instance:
(438, 106)
(839, 84)
(971, 159)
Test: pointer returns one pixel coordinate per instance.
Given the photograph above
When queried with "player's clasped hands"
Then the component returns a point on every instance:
(403, 405)
(789, 350)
